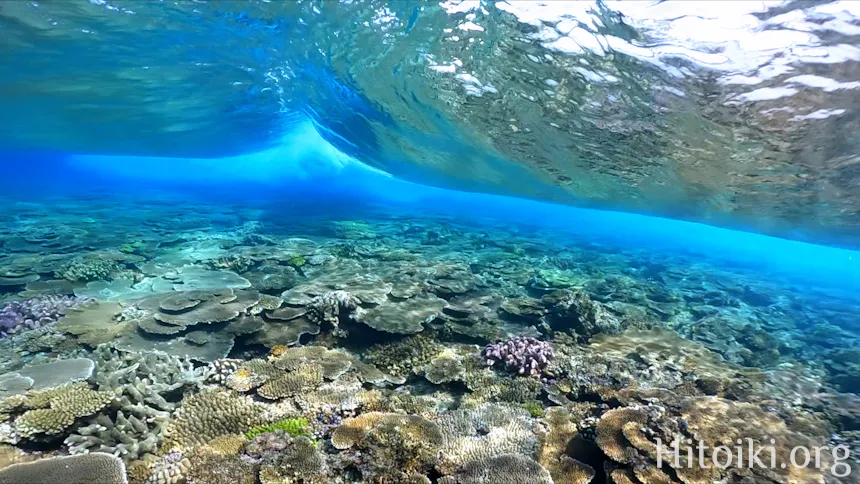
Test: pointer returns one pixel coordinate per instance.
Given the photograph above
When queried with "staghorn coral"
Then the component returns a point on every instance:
(76, 469)
(203, 417)
(35, 312)
(501, 469)
(522, 355)
(146, 385)
(490, 430)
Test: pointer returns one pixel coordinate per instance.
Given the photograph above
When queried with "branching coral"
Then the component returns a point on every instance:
(522, 355)
(35, 312)
(146, 385)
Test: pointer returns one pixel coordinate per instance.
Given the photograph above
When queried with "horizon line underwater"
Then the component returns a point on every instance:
(305, 163)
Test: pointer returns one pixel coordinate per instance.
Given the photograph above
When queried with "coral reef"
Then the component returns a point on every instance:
(501, 469)
(46, 376)
(88, 268)
(490, 430)
(222, 350)
(51, 412)
(287, 458)
(576, 312)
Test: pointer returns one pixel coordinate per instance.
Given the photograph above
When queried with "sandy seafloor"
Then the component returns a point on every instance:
(229, 343)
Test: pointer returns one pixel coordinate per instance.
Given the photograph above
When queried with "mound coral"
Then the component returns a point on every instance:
(203, 417)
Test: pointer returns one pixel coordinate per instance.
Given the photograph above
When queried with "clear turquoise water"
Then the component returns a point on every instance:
(690, 167)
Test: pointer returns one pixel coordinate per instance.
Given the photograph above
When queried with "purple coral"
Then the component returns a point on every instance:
(523, 355)
(34, 313)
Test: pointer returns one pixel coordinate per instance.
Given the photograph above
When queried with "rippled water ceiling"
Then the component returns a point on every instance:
(740, 114)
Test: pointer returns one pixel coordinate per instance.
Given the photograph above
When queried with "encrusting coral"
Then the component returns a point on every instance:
(292, 426)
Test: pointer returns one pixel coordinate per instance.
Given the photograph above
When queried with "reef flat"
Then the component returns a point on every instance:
(161, 342)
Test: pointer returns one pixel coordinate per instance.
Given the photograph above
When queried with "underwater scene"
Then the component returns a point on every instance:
(456, 242)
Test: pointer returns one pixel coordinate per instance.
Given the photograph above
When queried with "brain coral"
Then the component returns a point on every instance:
(76, 469)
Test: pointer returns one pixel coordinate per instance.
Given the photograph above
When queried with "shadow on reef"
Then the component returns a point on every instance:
(221, 344)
